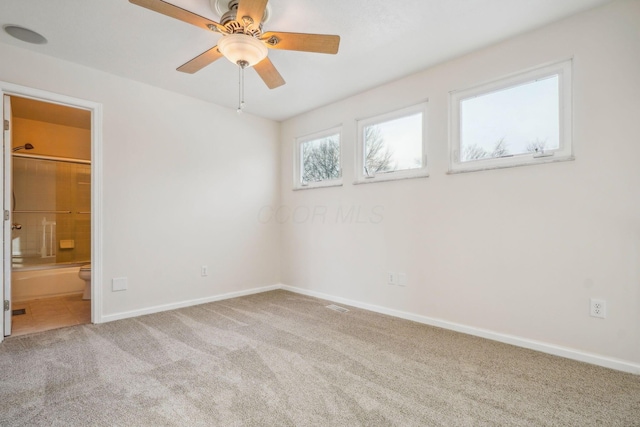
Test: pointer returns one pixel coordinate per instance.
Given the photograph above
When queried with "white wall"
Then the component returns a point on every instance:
(515, 251)
(184, 181)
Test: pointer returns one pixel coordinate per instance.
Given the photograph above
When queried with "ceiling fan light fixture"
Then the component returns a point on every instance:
(241, 47)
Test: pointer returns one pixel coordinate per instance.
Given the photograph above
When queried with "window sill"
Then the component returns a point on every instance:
(529, 162)
(318, 185)
(392, 176)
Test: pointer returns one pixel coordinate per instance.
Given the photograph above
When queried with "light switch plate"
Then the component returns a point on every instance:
(392, 278)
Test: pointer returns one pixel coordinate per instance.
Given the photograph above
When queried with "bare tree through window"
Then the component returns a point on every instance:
(378, 155)
(321, 159)
(475, 152)
(537, 146)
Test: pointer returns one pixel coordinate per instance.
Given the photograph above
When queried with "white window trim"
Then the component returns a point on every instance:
(361, 177)
(297, 160)
(565, 151)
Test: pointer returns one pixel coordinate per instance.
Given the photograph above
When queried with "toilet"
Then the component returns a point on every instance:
(85, 274)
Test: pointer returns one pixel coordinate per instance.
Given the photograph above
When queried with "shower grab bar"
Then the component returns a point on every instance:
(51, 212)
(48, 251)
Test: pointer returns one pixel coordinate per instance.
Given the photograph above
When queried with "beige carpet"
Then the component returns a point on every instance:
(281, 359)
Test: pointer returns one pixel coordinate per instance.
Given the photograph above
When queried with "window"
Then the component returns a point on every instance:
(318, 160)
(521, 120)
(392, 146)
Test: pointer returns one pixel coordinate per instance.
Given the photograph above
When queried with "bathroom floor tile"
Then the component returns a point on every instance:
(51, 313)
(21, 322)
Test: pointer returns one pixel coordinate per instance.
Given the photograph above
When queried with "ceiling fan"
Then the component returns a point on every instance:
(243, 41)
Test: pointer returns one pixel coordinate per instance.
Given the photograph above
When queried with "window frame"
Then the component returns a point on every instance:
(422, 172)
(298, 184)
(563, 70)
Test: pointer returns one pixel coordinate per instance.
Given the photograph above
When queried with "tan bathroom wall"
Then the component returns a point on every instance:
(51, 139)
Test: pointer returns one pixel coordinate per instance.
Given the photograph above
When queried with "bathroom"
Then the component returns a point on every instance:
(51, 216)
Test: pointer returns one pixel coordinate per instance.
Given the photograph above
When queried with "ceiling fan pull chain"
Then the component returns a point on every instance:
(242, 89)
(239, 109)
(242, 65)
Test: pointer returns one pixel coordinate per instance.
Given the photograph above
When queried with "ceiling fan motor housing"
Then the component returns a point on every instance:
(227, 10)
(230, 15)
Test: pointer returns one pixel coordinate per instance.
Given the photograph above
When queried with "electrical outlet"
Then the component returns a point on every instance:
(392, 278)
(119, 284)
(402, 279)
(598, 308)
(204, 271)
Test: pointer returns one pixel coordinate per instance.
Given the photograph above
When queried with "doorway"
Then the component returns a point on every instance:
(52, 190)
(51, 215)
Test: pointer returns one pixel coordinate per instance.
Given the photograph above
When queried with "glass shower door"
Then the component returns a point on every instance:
(51, 203)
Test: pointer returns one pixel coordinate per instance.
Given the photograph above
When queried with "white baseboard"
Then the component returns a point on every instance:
(569, 353)
(187, 303)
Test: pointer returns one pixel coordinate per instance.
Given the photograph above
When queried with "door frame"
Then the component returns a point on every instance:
(7, 227)
(95, 108)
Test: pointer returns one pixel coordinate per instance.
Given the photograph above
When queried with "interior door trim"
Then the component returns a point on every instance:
(95, 108)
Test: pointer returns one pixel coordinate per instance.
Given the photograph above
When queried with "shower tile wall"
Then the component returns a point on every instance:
(52, 202)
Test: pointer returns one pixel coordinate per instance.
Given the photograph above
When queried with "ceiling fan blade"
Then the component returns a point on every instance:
(178, 13)
(320, 43)
(201, 61)
(253, 9)
(269, 74)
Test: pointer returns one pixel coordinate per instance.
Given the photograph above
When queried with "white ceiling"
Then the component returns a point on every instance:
(381, 41)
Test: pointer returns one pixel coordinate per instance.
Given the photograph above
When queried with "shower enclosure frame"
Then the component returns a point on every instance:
(95, 108)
